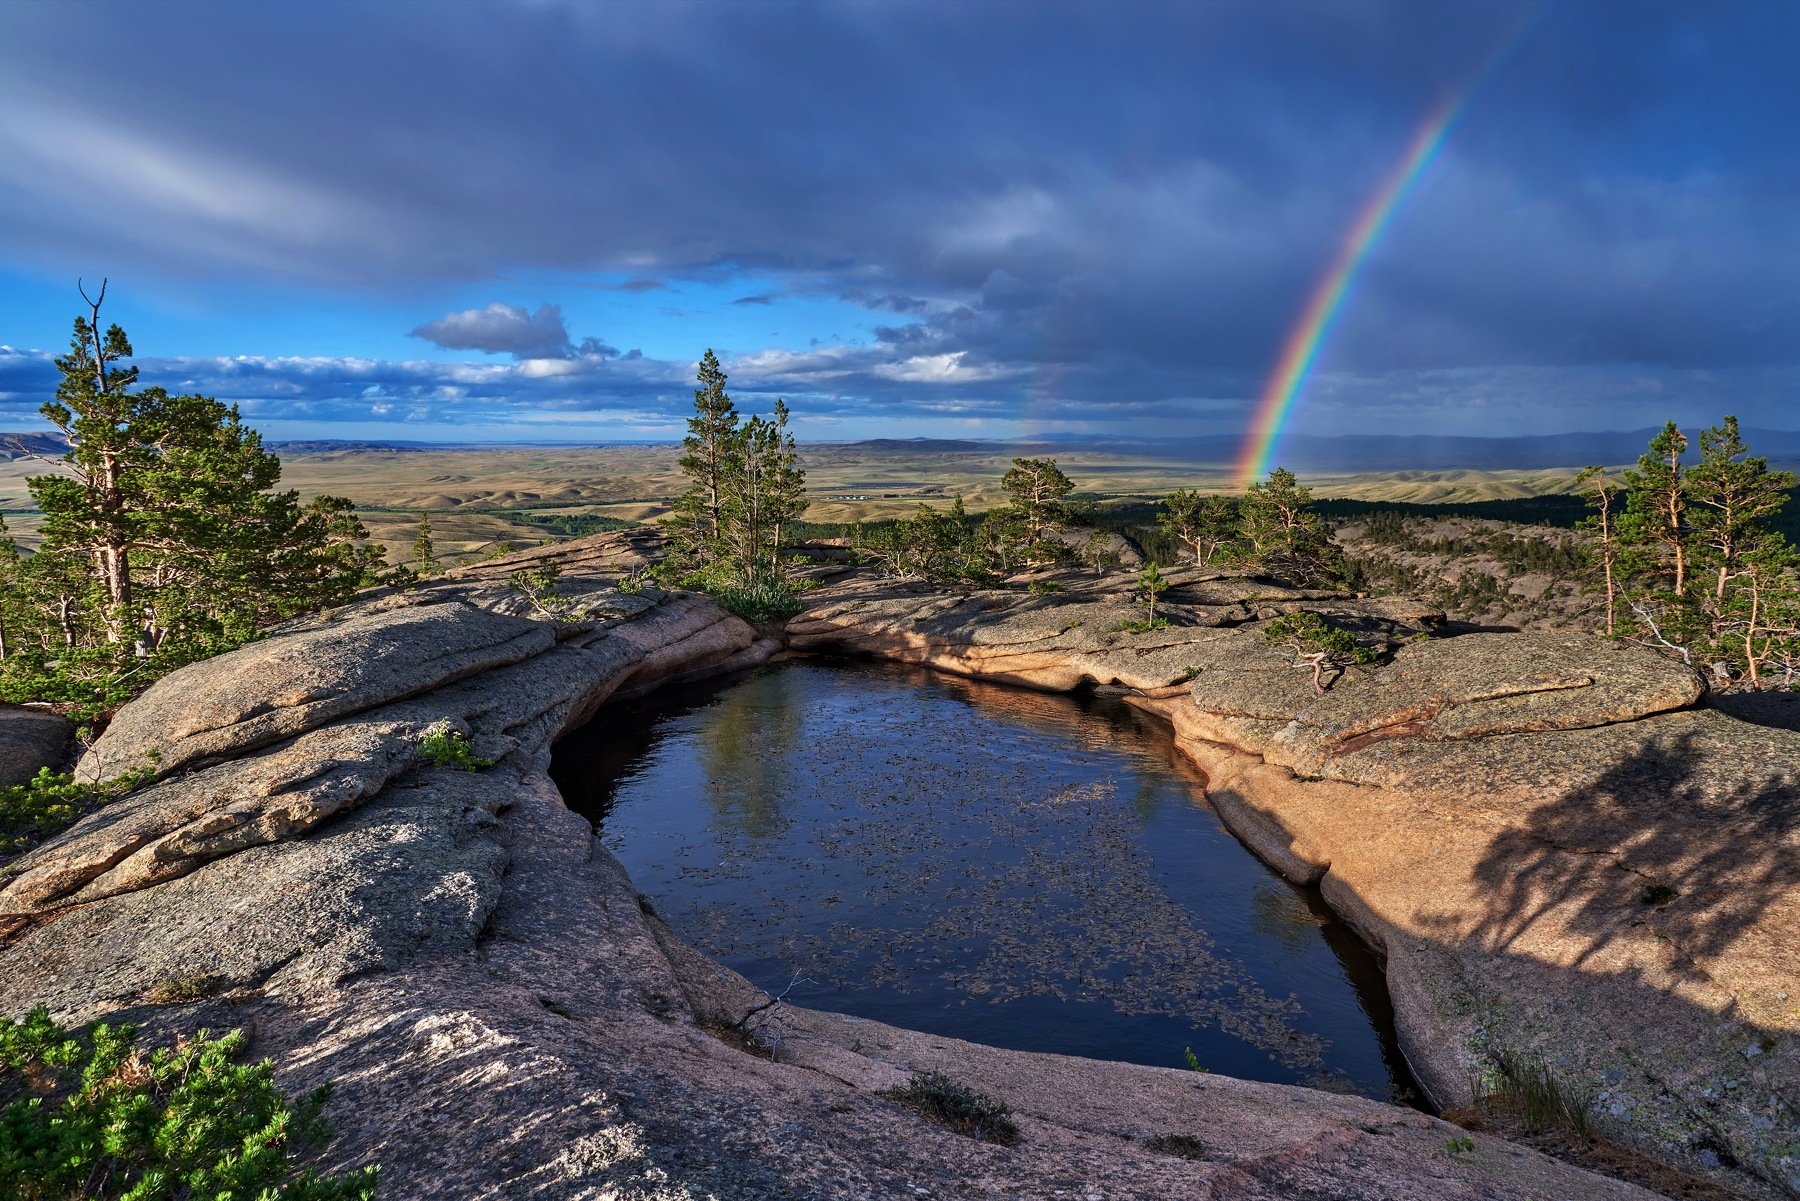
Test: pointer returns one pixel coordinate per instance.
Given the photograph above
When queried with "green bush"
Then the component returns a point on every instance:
(764, 601)
(445, 747)
(90, 1116)
(957, 1107)
(52, 801)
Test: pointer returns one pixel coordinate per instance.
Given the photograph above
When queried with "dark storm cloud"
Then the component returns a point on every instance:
(754, 300)
(1082, 209)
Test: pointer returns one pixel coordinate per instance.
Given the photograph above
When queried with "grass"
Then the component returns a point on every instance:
(957, 1108)
(180, 990)
(1524, 1093)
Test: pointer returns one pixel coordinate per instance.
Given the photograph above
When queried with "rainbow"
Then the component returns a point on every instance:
(1301, 350)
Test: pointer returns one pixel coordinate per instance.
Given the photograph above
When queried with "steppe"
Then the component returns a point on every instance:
(479, 497)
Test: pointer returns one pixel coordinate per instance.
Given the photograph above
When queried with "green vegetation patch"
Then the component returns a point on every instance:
(445, 747)
(91, 1116)
(50, 802)
(571, 525)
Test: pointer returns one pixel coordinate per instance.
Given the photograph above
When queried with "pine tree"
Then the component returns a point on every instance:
(1037, 487)
(1730, 498)
(161, 532)
(1208, 524)
(96, 411)
(1611, 554)
(1282, 533)
(1656, 503)
(424, 553)
(698, 511)
(1150, 582)
(761, 489)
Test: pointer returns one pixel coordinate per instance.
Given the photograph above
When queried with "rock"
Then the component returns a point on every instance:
(1557, 853)
(502, 1018)
(280, 687)
(31, 739)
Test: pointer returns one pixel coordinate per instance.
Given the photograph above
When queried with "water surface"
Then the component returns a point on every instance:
(1032, 871)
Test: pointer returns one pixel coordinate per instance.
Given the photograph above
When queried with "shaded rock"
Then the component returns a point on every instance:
(502, 1018)
(31, 739)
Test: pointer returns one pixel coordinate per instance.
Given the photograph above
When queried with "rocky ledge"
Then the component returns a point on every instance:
(505, 1017)
(1563, 861)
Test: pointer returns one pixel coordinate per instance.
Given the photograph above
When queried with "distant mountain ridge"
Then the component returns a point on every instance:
(1309, 453)
(1379, 452)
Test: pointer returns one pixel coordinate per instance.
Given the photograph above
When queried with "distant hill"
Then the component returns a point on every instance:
(16, 446)
(1306, 453)
(1363, 452)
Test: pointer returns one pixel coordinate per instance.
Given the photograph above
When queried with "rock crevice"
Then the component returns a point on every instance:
(503, 1019)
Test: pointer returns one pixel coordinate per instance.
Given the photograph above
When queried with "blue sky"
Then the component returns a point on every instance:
(527, 220)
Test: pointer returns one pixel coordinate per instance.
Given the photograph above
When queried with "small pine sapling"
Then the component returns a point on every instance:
(1317, 644)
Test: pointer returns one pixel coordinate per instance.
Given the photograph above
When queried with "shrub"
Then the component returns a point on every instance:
(1181, 1146)
(764, 601)
(445, 747)
(957, 1107)
(538, 586)
(90, 1116)
(52, 801)
(1316, 644)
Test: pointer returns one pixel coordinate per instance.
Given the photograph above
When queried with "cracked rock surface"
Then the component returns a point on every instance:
(1562, 859)
(502, 1016)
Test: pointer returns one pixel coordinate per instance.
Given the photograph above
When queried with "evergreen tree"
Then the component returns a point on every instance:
(1209, 525)
(698, 512)
(1037, 487)
(1656, 504)
(1150, 582)
(424, 553)
(161, 535)
(1730, 498)
(96, 411)
(1612, 555)
(745, 487)
(761, 489)
(1282, 533)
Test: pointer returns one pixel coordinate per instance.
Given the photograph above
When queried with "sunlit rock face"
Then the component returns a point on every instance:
(1560, 856)
(503, 1017)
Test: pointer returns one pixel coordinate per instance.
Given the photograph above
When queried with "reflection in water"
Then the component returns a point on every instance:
(1012, 867)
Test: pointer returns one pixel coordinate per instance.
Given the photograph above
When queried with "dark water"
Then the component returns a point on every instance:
(1025, 870)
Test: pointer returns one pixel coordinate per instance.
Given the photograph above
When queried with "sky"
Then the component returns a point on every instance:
(526, 220)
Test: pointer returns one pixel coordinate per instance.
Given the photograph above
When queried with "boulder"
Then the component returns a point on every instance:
(31, 739)
(279, 687)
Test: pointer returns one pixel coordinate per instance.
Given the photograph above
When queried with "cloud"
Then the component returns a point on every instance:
(1050, 235)
(502, 329)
